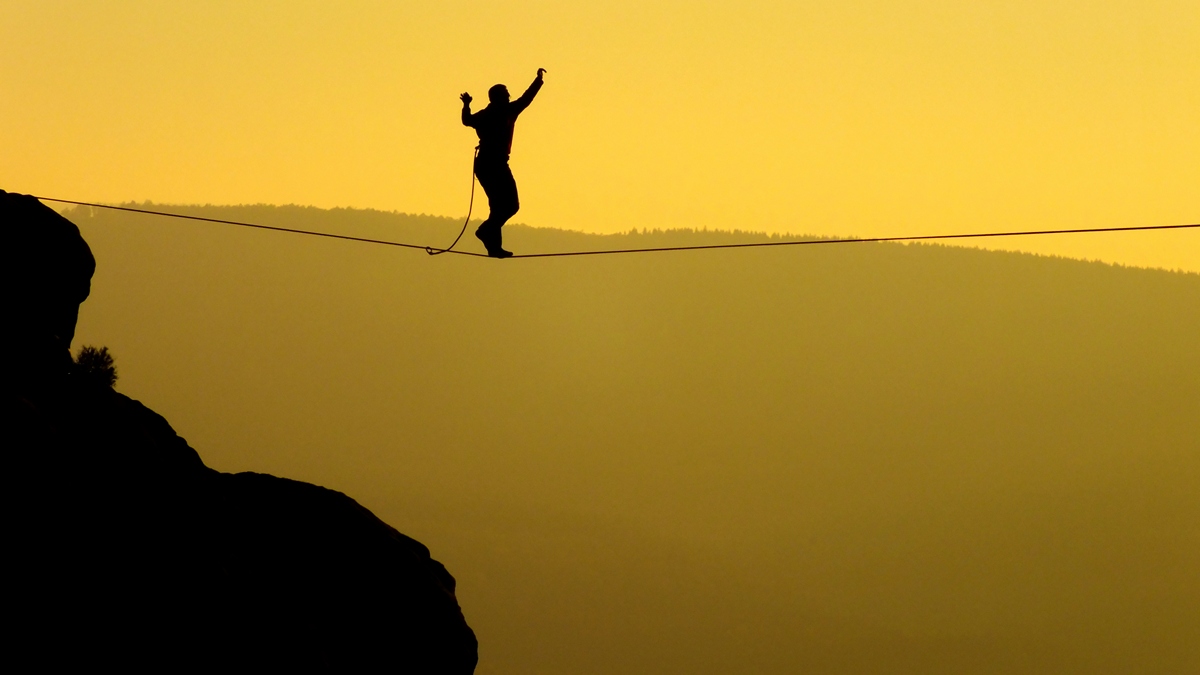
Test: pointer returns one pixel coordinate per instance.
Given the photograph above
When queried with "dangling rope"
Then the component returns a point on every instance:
(470, 206)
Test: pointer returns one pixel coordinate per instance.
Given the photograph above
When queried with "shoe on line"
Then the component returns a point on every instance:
(491, 241)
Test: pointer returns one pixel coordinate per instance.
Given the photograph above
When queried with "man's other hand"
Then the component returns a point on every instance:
(466, 98)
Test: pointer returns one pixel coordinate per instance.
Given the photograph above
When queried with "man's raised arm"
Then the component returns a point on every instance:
(527, 98)
(466, 111)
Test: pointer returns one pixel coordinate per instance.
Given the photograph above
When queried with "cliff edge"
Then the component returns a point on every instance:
(124, 548)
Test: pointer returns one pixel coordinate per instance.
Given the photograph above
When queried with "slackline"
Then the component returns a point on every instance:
(432, 250)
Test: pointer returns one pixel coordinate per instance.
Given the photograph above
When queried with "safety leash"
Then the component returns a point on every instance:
(470, 207)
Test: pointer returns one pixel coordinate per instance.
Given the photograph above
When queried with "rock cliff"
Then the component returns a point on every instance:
(125, 549)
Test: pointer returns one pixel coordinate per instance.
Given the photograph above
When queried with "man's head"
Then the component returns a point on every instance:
(498, 94)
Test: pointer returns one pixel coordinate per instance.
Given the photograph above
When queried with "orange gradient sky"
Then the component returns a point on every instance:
(867, 118)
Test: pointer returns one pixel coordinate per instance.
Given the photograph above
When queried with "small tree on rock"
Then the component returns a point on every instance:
(96, 364)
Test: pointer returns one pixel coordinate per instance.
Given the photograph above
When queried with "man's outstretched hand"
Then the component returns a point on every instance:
(466, 98)
(541, 72)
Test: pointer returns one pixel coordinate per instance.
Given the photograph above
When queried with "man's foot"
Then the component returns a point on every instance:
(489, 240)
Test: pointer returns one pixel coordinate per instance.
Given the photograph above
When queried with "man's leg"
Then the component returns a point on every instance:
(506, 209)
(501, 189)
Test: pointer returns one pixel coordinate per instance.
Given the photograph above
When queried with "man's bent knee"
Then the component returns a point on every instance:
(508, 210)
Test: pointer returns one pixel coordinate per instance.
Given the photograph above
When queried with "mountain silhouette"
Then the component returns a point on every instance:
(125, 549)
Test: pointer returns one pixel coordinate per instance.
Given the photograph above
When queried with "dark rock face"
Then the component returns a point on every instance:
(45, 270)
(124, 548)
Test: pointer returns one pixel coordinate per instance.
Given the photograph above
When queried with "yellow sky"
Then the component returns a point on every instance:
(875, 117)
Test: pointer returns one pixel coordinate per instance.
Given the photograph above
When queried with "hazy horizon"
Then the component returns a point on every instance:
(746, 234)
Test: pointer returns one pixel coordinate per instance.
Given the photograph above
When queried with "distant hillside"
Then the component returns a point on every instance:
(873, 458)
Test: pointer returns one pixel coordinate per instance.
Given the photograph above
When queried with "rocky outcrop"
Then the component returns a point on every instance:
(124, 548)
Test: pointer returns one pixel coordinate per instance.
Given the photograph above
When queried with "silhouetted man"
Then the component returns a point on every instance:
(494, 124)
